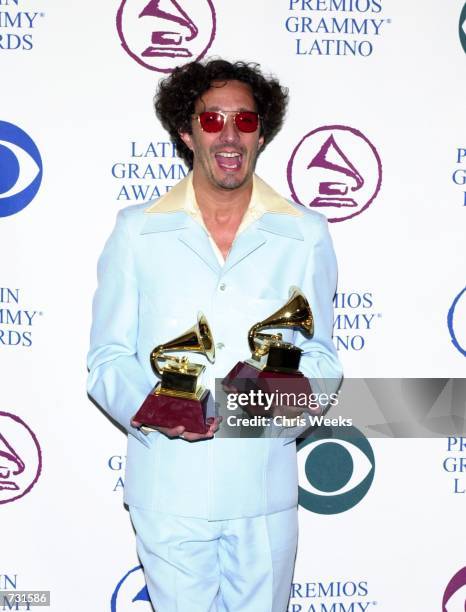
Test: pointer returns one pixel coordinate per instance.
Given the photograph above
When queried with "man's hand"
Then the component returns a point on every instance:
(189, 436)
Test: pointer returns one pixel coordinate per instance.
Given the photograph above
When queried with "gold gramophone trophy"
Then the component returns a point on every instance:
(179, 399)
(274, 364)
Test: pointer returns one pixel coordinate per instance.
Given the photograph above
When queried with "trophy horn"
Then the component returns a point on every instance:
(197, 338)
(295, 313)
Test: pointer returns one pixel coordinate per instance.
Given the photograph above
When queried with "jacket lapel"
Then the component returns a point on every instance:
(281, 220)
(195, 238)
(187, 231)
(167, 214)
(257, 235)
(243, 245)
(281, 225)
(168, 222)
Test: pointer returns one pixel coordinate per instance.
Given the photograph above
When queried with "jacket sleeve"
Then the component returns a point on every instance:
(319, 361)
(117, 381)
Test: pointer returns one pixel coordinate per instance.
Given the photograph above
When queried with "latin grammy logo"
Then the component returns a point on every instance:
(331, 158)
(168, 43)
(162, 34)
(343, 176)
(11, 464)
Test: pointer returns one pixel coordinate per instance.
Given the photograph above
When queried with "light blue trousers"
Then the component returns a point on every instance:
(237, 565)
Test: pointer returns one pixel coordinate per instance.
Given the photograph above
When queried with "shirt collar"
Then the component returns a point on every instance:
(264, 199)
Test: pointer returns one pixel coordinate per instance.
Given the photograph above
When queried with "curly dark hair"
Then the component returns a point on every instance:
(176, 95)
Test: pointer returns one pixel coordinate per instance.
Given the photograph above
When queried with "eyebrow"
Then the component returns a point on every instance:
(236, 110)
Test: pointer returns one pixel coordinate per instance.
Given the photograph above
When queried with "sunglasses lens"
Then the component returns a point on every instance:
(211, 121)
(247, 121)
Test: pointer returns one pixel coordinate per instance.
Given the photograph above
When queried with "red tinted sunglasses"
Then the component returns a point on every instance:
(214, 121)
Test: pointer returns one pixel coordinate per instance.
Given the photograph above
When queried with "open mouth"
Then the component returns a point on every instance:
(230, 161)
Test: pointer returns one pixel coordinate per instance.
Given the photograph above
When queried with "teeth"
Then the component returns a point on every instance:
(228, 154)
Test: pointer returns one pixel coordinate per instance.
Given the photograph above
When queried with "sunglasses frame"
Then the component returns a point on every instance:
(224, 115)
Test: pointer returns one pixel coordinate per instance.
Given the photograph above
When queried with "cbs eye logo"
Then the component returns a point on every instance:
(131, 593)
(457, 322)
(336, 468)
(21, 169)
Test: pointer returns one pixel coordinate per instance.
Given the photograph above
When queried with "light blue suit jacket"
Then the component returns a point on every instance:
(156, 272)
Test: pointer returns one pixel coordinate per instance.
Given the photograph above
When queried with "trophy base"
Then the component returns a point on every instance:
(160, 410)
(244, 378)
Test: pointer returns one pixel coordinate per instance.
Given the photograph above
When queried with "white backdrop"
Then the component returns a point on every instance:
(393, 72)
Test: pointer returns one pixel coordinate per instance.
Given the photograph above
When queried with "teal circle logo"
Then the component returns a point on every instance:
(336, 468)
(462, 28)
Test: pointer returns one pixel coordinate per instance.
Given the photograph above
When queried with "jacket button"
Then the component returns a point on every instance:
(220, 345)
(222, 286)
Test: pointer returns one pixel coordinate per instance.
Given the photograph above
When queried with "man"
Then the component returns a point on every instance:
(215, 518)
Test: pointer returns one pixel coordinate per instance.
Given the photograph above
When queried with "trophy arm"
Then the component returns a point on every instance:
(295, 313)
(154, 356)
(197, 338)
(258, 341)
(251, 336)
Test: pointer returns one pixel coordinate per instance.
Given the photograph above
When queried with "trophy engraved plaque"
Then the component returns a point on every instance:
(274, 364)
(179, 399)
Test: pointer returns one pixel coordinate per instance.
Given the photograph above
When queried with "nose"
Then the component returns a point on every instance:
(230, 132)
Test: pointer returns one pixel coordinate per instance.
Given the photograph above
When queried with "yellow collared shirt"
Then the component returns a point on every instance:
(258, 206)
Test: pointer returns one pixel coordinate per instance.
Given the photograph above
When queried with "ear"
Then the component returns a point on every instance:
(260, 143)
(187, 139)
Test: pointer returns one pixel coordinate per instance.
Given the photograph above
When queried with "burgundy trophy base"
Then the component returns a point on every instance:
(244, 378)
(166, 411)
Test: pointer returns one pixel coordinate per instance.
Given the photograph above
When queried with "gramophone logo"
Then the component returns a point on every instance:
(21, 169)
(131, 594)
(454, 598)
(162, 34)
(336, 468)
(457, 322)
(20, 458)
(336, 170)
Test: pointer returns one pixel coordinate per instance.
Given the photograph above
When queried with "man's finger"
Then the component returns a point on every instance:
(171, 432)
(192, 437)
(213, 422)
